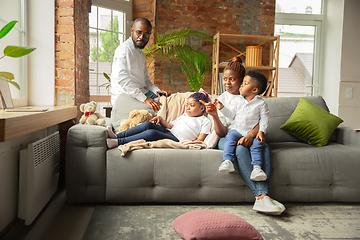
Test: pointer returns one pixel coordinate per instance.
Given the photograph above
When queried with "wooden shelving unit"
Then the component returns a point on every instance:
(270, 70)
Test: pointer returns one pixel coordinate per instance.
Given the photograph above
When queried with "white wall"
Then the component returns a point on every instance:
(9, 173)
(330, 61)
(41, 90)
(349, 108)
(41, 62)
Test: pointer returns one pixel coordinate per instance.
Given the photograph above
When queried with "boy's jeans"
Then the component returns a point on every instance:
(256, 148)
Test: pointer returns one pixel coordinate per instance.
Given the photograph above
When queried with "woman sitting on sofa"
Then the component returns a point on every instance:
(233, 76)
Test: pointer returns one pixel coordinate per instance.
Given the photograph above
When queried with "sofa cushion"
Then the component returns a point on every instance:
(280, 109)
(305, 173)
(209, 224)
(311, 123)
(124, 104)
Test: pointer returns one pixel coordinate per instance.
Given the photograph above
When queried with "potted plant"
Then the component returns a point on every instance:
(173, 45)
(12, 51)
(193, 63)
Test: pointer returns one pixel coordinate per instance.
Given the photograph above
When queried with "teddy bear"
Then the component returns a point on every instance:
(135, 118)
(90, 116)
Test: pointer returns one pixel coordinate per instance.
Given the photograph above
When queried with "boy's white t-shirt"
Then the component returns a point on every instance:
(226, 99)
(189, 128)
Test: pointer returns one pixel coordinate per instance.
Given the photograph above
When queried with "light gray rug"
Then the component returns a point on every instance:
(299, 221)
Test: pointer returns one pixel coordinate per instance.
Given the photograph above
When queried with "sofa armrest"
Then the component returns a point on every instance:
(85, 163)
(347, 136)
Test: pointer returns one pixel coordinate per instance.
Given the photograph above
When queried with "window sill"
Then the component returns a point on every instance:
(18, 124)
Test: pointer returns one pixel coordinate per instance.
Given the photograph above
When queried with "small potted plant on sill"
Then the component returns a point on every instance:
(12, 51)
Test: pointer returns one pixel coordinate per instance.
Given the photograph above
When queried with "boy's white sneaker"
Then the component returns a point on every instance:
(266, 205)
(257, 174)
(226, 166)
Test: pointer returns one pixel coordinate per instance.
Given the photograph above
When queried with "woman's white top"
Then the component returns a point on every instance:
(189, 128)
(226, 99)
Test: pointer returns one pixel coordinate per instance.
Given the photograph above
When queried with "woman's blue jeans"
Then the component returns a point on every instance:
(148, 131)
(243, 159)
(256, 148)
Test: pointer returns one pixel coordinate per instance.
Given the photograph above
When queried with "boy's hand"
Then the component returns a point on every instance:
(246, 141)
(261, 137)
(156, 120)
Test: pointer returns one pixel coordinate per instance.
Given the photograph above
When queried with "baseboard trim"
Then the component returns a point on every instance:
(12, 230)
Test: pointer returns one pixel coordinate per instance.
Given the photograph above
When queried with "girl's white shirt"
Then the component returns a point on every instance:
(189, 128)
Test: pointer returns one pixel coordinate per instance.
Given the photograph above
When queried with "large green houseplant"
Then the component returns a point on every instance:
(12, 51)
(173, 45)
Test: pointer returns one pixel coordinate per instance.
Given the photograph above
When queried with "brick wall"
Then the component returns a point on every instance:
(254, 17)
(72, 52)
(82, 8)
(64, 53)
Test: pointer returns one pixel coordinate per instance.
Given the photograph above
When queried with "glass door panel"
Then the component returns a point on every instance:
(296, 60)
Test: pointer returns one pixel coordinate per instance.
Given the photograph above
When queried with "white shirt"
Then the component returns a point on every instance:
(129, 73)
(189, 128)
(247, 115)
(226, 99)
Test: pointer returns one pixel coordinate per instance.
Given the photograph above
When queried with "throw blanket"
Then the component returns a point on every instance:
(173, 106)
(163, 143)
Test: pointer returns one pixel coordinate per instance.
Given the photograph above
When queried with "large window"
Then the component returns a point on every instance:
(298, 23)
(109, 27)
(14, 10)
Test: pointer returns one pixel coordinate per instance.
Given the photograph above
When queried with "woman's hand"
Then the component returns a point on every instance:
(246, 141)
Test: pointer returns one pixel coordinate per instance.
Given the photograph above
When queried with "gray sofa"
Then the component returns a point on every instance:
(301, 172)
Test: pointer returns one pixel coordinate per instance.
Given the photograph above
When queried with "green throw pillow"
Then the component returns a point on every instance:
(311, 123)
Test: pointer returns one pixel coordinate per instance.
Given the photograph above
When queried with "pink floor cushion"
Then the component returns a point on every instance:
(210, 224)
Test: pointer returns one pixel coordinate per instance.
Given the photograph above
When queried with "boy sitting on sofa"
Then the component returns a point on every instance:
(248, 110)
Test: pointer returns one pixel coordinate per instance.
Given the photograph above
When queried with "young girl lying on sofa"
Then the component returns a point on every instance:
(191, 125)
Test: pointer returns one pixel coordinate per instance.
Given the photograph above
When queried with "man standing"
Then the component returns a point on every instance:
(129, 73)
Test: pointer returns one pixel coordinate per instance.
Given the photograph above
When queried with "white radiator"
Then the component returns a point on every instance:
(38, 176)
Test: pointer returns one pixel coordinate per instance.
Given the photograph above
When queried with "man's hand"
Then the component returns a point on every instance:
(163, 93)
(155, 105)
(246, 141)
(261, 137)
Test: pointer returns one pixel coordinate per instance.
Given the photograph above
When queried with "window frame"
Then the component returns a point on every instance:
(22, 100)
(117, 5)
(315, 20)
